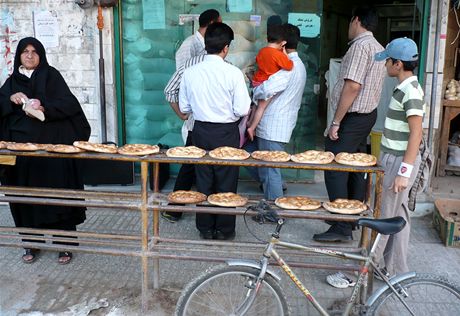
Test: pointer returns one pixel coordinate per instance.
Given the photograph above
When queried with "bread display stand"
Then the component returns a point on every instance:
(151, 246)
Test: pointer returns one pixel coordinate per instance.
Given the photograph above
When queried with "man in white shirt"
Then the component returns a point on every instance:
(215, 93)
(190, 52)
(275, 128)
(194, 44)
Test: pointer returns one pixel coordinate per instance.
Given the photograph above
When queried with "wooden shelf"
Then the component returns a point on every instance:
(452, 103)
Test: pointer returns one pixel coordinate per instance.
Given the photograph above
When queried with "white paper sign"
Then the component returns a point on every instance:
(46, 28)
(255, 19)
(308, 23)
(239, 5)
(154, 14)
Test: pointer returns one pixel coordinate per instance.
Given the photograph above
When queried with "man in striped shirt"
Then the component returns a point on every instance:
(355, 98)
(400, 148)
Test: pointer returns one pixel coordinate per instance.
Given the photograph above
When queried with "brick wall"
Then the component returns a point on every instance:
(76, 57)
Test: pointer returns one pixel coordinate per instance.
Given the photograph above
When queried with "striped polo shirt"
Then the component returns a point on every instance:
(407, 100)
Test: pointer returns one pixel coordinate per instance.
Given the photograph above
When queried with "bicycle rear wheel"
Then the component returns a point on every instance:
(224, 288)
(425, 294)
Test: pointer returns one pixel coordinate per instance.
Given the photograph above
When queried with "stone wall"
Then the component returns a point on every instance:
(76, 57)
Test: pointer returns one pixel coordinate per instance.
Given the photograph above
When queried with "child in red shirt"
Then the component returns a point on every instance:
(270, 59)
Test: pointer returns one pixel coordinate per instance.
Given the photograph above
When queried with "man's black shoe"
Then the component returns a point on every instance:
(224, 236)
(332, 236)
(208, 234)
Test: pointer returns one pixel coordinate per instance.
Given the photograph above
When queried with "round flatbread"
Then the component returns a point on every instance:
(228, 199)
(4, 144)
(297, 203)
(186, 197)
(268, 155)
(229, 153)
(22, 147)
(356, 159)
(186, 152)
(344, 206)
(100, 148)
(313, 157)
(64, 149)
(138, 149)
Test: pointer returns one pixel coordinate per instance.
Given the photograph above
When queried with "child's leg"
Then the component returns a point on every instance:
(259, 112)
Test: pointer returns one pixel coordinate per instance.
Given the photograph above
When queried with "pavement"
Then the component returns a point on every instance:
(111, 285)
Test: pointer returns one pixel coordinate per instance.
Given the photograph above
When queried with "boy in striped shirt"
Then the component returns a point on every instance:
(400, 155)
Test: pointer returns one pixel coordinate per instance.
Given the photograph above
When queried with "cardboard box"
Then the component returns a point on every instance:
(446, 220)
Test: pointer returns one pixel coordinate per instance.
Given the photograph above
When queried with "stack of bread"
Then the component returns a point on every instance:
(452, 90)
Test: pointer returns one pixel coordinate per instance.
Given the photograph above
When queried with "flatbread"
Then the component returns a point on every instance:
(297, 203)
(229, 153)
(268, 155)
(186, 152)
(344, 206)
(228, 199)
(356, 159)
(22, 147)
(4, 144)
(100, 148)
(186, 197)
(64, 149)
(313, 157)
(138, 149)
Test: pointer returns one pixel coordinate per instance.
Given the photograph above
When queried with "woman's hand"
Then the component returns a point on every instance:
(36, 104)
(18, 98)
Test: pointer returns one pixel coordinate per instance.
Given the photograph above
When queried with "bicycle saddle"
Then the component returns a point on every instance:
(387, 226)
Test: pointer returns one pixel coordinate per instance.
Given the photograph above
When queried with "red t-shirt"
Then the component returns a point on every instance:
(270, 60)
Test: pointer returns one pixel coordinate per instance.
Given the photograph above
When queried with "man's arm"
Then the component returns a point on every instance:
(349, 93)
(413, 144)
(277, 83)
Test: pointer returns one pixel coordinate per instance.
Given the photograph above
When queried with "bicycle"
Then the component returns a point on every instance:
(243, 287)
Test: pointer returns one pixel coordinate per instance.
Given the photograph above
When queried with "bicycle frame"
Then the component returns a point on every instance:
(270, 252)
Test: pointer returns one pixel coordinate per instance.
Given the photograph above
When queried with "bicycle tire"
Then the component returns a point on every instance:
(428, 294)
(224, 292)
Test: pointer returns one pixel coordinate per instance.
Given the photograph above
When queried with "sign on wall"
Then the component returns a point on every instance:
(308, 23)
(153, 14)
(46, 28)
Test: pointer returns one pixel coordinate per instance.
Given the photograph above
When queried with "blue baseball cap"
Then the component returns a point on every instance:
(403, 49)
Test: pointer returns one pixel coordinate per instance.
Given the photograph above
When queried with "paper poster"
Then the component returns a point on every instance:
(154, 14)
(7, 40)
(255, 19)
(46, 28)
(308, 23)
(239, 5)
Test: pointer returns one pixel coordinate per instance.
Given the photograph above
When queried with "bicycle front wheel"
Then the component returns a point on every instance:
(223, 289)
(425, 294)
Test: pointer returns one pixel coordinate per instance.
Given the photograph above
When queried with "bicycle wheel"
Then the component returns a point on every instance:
(224, 288)
(425, 294)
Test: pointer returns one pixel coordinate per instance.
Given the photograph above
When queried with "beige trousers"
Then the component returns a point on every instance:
(392, 250)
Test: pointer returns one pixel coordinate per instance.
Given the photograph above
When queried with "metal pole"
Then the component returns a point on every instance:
(434, 82)
(100, 26)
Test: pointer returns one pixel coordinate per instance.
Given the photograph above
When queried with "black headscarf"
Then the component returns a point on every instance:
(37, 81)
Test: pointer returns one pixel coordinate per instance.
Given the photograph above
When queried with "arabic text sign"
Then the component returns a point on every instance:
(308, 23)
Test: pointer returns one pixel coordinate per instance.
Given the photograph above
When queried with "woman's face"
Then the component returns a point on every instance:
(30, 58)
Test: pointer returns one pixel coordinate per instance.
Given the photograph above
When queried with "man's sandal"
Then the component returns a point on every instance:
(340, 280)
(30, 255)
(64, 257)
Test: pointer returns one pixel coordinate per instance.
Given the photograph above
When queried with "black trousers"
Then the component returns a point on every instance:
(215, 179)
(353, 132)
(185, 178)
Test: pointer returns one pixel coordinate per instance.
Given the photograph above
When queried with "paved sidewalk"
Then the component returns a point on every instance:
(110, 285)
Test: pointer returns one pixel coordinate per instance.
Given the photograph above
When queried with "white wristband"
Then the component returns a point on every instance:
(405, 170)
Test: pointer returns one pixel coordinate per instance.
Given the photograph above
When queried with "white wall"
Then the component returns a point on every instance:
(76, 57)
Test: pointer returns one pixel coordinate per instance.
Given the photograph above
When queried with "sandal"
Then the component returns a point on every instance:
(30, 255)
(64, 257)
(340, 280)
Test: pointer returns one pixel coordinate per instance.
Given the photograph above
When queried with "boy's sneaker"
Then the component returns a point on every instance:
(384, 272)
(170, 218)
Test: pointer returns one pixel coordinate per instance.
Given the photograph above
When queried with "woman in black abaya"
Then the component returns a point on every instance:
(44, 88)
